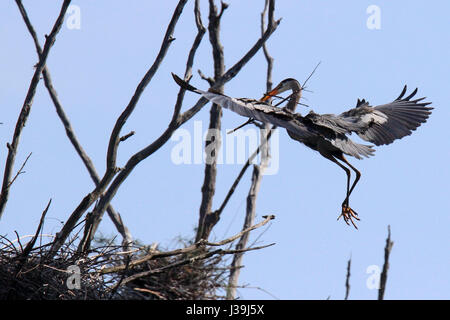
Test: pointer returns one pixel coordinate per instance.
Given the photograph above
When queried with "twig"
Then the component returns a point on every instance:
(114, 290)
(19, 172)
(242, 172)
(18, 241)
(384, 273)
(125, 137)
(152, 292)
(246, 230)
(26, 108)
(347, 279)
(206, 78)
(310, 75)
(32, 242)
(250, 120)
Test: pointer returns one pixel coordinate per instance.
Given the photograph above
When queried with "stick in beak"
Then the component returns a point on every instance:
(269, 95)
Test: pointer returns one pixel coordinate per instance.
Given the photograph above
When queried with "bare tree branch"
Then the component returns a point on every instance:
(204, 77)
(193, 259)
(191, 248)
(206, 219)
(347, 279)
(26, 108)
(128, 135)
(236, 264)
(20, 171)
(234, 70)
(95, 218)
(111, 169)
(115, 135)
(178, 120)
(30, 244)
(384, 273)
(244, 168)
(115, 216)
(268, 57)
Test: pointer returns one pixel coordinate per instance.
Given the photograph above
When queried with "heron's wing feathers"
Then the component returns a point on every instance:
(251, 108)
(385, 123)
(329, 121)
(261, 111)
(347, 146)
(333, 129)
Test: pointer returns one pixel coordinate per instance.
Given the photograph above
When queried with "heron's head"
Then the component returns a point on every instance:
(286, 84)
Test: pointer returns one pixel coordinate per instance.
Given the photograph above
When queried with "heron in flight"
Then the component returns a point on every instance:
(327, 133)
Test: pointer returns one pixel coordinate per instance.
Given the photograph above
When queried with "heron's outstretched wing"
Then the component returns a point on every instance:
(250, 108)
(304, 129)
(385, 123)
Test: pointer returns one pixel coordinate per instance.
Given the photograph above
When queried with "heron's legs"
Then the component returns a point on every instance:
(347, 213)
(358, 175)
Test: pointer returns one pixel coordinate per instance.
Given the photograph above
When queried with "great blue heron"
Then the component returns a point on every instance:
(327, 133)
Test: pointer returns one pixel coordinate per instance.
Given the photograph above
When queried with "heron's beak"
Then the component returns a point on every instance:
(269, 94)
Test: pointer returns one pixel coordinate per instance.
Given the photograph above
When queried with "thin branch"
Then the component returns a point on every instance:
(249, 121)
(168, 39)
(128, 135)
(206, 219)
(268, 57)
(199, 257)
(32, 242)
(242, 172)
(206, 78)
(245, 231)
(18, 241)
(19, 172)
(384, 273)
(26, 108)
(202, 243)
(347, 279)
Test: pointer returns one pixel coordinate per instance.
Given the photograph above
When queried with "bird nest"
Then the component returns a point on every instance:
(109, 273)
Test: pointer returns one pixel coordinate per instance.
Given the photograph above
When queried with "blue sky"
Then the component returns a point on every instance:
(96, 69)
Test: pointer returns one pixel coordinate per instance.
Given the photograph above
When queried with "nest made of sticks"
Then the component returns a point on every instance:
(108, 272)
(195, 271)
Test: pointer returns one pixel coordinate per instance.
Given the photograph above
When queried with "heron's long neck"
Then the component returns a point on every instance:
(294, 99)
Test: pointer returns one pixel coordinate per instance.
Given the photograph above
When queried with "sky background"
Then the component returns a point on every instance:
(96, 69)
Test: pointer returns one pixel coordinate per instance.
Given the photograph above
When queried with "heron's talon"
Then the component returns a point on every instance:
(348, 214)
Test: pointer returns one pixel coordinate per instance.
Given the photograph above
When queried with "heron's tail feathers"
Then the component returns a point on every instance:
(365, 150)
(354, 149)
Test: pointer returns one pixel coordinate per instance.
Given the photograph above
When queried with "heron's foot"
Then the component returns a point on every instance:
(349, 214)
